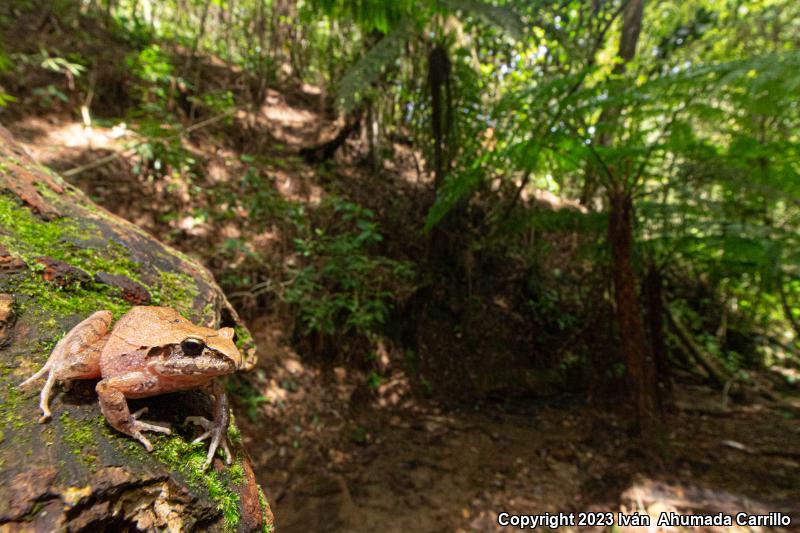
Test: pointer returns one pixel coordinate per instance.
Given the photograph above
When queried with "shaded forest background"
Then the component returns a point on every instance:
(563, 234)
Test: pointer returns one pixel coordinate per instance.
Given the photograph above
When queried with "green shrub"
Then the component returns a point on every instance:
(338, 283)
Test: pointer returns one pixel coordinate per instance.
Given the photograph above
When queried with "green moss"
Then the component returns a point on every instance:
(262, 502)
(207, 314)
(113, 260)
(243, 337)
(28, 237)
(54, 301)
(78, 435)
(234, 435)
(9, 412)
(246, 344)
(31, 234)
(36, 508)
(80, 438)
(236, 473)
(48, 436)
(178, 290)
(188, 458)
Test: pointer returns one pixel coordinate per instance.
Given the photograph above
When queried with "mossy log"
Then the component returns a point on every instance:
(61, 258)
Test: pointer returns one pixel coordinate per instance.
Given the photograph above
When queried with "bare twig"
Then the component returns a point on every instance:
(129, 152)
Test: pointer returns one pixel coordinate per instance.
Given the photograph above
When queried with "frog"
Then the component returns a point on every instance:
(150, 350)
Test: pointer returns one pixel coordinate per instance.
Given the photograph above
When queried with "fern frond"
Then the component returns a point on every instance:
(455, 188)
(359, 77)
(501, 16)
(370, 15)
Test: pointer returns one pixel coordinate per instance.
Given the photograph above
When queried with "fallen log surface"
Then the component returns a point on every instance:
(61, 258)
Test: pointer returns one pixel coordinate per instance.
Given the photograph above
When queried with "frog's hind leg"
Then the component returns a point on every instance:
(111, 392)
(75, 356)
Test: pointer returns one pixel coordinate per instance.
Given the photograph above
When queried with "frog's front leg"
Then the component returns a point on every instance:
(75, 356)
(218, 429)
(114, 405)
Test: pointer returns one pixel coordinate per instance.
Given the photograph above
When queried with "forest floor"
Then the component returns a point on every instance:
(418, 467)
(333, 458)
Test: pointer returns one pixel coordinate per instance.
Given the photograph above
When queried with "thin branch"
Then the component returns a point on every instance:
(132, 150)
(652, 147)
(603, 165)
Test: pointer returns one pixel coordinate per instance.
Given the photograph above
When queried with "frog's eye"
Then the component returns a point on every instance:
(192, 346)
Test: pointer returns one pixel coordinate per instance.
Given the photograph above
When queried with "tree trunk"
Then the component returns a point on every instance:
(632, 336)
(654, 289)
(62, 258)
(633, 346)
(787, 308)
(631, 28)
(446, 241)
(193, 61)
(441, 105)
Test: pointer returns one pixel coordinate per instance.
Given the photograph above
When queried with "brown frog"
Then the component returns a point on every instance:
(150, 351)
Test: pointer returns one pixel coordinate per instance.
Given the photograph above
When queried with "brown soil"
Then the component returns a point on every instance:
(335, 460)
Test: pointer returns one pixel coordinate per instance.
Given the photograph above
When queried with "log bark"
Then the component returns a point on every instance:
(62, 258)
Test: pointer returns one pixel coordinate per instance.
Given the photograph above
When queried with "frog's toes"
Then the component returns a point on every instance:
(218, 438)
(141, 438)
(44, 394)
(149, 426)
(202, 437)
(139, 425)
(202, 422)
(227, 450)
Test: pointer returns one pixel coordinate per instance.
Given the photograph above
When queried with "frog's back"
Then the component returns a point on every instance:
(157, 326)
(133, 335)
